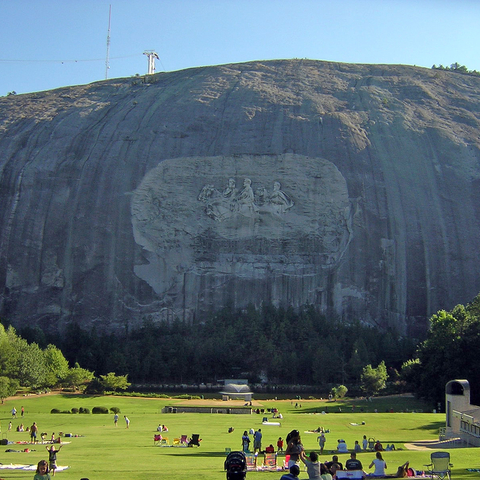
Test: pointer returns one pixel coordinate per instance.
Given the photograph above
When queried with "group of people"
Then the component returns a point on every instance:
(357, 448)
(327, 470)
(14, 412)
(257, 440)
(44, 468)
(127, 420)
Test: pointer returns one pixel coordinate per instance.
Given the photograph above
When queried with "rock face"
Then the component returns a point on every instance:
(355, 188)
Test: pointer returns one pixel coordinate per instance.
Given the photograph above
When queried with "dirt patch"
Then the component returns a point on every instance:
(217, 403)
(436, 444)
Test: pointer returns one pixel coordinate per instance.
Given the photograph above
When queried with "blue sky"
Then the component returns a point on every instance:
(46, 44)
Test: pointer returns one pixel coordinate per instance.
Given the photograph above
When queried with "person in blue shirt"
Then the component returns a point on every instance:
(293, 475)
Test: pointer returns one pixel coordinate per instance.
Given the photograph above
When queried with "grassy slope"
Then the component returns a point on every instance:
(105, 452)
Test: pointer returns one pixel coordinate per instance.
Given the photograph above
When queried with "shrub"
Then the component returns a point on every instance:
(100, 410)
(115, 410)
(84, 410)
(54, 410)
(74, 410)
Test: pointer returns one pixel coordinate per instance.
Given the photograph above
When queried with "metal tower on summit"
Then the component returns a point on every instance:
(152, 55)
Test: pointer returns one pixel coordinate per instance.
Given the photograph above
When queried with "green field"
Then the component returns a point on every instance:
(102, 451)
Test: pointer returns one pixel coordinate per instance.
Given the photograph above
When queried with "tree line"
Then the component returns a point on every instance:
(457, 68)
(448, 353)
(279, 346)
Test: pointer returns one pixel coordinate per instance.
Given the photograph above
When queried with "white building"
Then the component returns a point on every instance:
(462, 418)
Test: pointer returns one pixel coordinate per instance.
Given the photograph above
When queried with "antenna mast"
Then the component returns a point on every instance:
(107, 61)
(152, 55)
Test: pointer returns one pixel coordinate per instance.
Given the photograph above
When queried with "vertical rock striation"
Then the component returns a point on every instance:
(351, 187)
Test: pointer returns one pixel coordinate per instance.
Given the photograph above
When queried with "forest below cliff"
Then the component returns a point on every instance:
(278, 345)
(271, 344)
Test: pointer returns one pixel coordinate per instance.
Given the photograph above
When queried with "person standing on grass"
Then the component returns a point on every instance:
(294, 447)
(127, 421)
(115, 419)
(257, 441)
(52, 458)
(245, 441)
(33, 433)
(321, 442)
(280, 445)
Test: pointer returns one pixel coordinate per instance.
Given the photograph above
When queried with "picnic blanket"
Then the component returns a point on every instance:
(16, 466)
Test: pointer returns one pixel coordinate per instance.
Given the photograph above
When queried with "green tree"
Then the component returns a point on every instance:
(114, 382)
(448, 352)
(8, 387)
(9, 353)
(360, 357)
(31, 365)
(78, 378)
(374, 379)
(56, 366)
(411, 370)
(339, 391)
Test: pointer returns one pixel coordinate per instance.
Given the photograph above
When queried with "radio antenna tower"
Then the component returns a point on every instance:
(152, 55)
(107, 61)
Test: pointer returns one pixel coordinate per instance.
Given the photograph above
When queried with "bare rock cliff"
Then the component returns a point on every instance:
(355, 188)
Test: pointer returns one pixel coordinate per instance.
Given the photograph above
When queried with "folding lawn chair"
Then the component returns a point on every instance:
(164, 442)
(440, 466)
(270, 462)
(183, 440)
(371, 444)
(251, 459)
(176, 442)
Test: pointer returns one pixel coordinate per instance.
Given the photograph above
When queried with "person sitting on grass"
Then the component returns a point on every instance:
(380, 465)
(294, 473)
(326, 475)
(334, 465)
(405, 470)
(353, 463)
(378, 447)
(342, 446)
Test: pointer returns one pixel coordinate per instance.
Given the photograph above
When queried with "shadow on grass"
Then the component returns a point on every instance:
(430, 426)
(194, 453)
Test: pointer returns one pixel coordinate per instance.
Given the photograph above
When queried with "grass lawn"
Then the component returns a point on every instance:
(104, 452)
